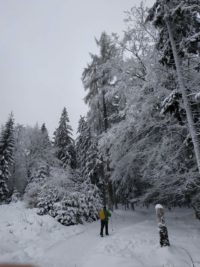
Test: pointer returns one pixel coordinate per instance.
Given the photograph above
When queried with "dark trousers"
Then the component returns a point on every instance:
(104, 224)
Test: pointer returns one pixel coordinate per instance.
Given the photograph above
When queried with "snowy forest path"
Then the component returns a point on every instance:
(133, 241)
(87, 248)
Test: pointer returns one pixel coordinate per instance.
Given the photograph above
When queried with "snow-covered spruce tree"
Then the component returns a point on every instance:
(6, 156)
(64, 143)
(45, 136)
(99, 80)
(88, 158)
(82, 144)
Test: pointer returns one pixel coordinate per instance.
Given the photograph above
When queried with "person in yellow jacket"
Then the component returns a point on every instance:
(104, 215)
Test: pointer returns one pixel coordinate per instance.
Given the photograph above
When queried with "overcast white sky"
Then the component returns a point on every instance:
(44, 46)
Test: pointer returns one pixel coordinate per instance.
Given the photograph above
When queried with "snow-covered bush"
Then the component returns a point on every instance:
(92, 200)
(37, 181)
(74, 208)
(81, 206)
(46, 199)
(31, 195)
(70, 212)
(62, 196)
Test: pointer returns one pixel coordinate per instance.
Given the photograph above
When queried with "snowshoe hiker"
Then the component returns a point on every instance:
(104, 215)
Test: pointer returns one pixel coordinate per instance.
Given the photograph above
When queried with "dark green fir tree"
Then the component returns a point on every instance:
(6, 156)
(64, 143)
(88, 157)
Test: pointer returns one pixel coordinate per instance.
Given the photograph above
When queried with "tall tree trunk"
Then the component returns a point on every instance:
(109, 189)
(105, 113)
(102, 174)
(187, 106)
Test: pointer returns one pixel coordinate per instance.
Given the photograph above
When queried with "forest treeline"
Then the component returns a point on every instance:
(139, 142)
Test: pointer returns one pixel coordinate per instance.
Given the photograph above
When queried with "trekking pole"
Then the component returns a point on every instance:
(112, 224)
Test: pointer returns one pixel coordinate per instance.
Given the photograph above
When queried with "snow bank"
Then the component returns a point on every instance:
(25, 235)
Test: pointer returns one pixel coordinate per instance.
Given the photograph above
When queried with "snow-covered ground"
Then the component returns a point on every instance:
(26, 237)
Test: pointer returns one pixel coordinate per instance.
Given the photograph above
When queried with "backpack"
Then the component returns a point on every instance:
(102, 215)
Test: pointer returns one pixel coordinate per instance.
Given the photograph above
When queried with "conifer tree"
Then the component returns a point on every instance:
(6, 156)
(45, 136)
(88, 157)
(64, 142)
(98, 79)
(82, 145)
(44, 128)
